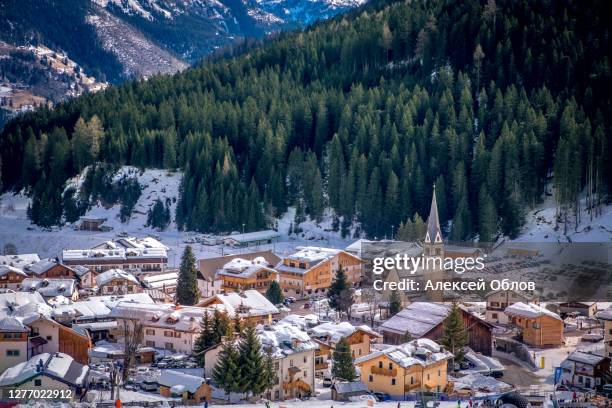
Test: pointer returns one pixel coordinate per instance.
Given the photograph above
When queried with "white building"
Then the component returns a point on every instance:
(166, 282)
(250, 305)
(130, 259)
(252, 238)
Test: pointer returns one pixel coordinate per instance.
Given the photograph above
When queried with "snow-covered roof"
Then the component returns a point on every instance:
(479, 382)
(301, 321)
(284, 339)
(417, 319)
(164, 315)
(59, 366)
(19, 261)
(112, 274)
(254, 236)
(6, 269)
(41, 266)
(13, 325)
(80, 270)
(161, 280)
(171, 378)
(420, 351)
(25, 306)
(605, 314)
(313, 254)
(529, 310)
(96, 307)
(247, 303)
(585, 358)
(49, 287)
(117, 254)
(344, 387)
(334, 332)
(141, 243)
(244, 268)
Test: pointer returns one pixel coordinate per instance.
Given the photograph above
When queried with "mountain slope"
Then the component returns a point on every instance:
(361, 114)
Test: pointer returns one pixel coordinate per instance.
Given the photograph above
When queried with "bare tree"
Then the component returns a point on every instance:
(370, 297)
(133, 334)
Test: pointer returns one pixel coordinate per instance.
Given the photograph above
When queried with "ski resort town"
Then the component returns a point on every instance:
(117, 322)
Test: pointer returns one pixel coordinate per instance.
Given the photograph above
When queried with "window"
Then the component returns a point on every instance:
(494, 315)
(393, 381)
(38, 382)
(12, 353)
(290, 363)
(439, 373)
(49, 338)
(370, 378)
(304, 358)
(536, 325)
(380, 364)
(150, 343)
(427, 377)
(168, 333)
(169, 346)
(150, 332)
(305, 374)
(390, 366)
(177, 335)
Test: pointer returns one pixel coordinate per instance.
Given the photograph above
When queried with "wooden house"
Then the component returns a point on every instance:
(538, 326)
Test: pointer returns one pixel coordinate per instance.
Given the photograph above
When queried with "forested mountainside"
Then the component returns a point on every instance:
(118, 39)
(363, 114)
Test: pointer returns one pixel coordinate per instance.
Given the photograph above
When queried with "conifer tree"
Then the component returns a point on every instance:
(221, 326)
(395, 303)
(340, 293)
(274, 293)
(205, 339)
(343, 366)
(454, 337)
(487, 216)
(226, 373)
(251, 363)
(187, 292)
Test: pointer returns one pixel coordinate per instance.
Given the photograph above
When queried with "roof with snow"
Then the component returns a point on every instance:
(49, 287)
(41, 266)
(160, 281)
(311, 255)
(6, 269)
(24, 306)
(246, 304)
(163, 315)
(477, 381)
(19, 261)
(586, 358)
(12, 325)
(283, 339)
(117, 254)
(420, 351)
(141, 243)
(115, 274)
(97, 307)
(605, 314)
(244, 268)
(254, 236)
(529, 310)
(418, 319)
(208, 267)
(58, 366)
(80, 270)
(345, 387)
(334, 332)
(188, 382)
(301, 321)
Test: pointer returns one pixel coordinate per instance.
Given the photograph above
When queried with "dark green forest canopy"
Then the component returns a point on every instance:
(362, 113)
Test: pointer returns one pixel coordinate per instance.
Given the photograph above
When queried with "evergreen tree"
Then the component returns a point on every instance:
(251, 362)
(455, 337)
(187, 292)
(343, 366)
(340, 293)
(487, 216)
(226, 373)
(274, 293)
(395, 303)
(221, 326)
(206, 339)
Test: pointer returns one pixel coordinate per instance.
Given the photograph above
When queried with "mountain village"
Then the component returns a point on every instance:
(106, 324)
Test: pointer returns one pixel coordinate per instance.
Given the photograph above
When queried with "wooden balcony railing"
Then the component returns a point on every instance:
(321, 366)
(412, 387)
(390, 372)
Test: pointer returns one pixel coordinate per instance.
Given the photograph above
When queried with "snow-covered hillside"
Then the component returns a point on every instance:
(16, 229)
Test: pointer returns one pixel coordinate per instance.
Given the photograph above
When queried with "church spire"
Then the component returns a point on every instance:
(433, 234)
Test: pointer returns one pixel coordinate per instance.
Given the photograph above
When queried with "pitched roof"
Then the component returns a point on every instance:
(334, 332)
(284, 339)
(586, 358)
(59, 366)
(529, 310)
(344, 387)
(433, 234)
(246, 304)
(19, 261)
(188, 382)
(49, 287)
(420, 351)
(112, 274)
(418, 319)
(6, 269)
(208, 267)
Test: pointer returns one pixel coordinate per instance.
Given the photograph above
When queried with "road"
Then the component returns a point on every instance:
(518, 375)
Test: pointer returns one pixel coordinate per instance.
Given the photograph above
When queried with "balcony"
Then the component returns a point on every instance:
(412, 387)
(321, 366)
(389, 372)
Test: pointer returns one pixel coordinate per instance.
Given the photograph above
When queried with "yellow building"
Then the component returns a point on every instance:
(419, 365)
(311, 270)
(243, 274)
(327, 335)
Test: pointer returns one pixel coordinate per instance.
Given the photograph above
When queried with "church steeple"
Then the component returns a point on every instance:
(433, 234)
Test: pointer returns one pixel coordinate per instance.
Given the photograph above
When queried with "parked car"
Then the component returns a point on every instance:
(381, 396)
(327, 382)
(606, 390)
(497, 374)
(150, 386)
